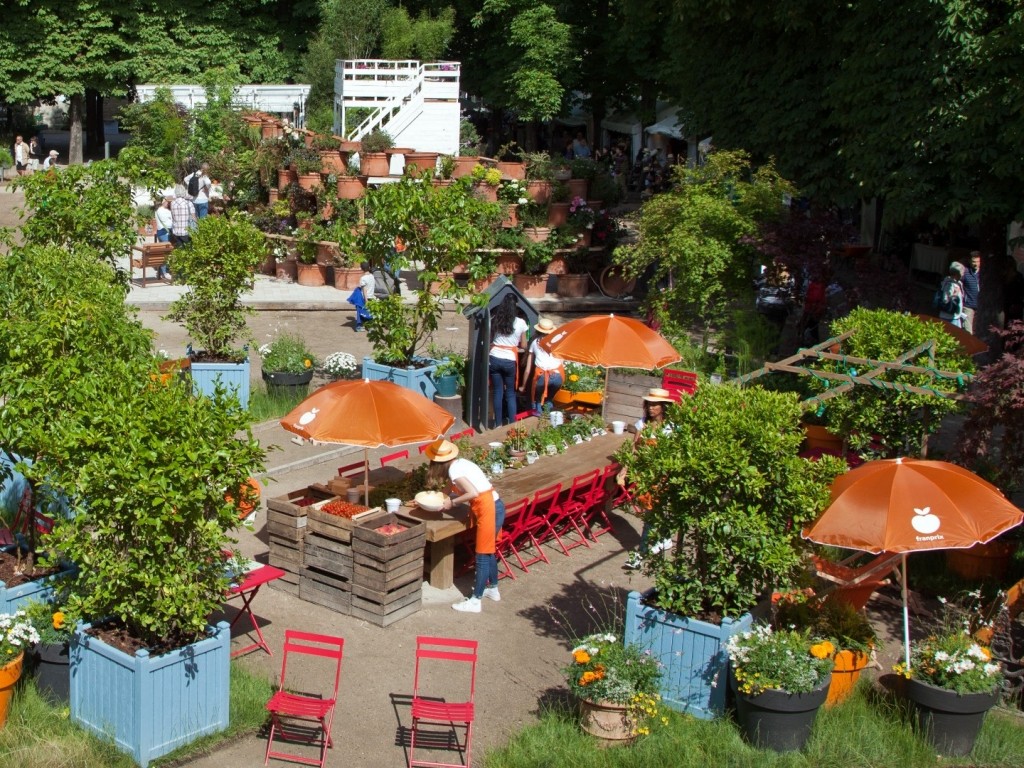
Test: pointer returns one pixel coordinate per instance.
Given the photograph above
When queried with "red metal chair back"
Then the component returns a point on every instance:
(439, 711)
(385, 460)
(351, 470)
(678, 382)
(511, 531)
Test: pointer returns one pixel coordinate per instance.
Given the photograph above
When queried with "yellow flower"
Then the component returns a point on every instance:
(822, 650)
(574, 377)
(307, 362)
(581, 657)
(58, 620)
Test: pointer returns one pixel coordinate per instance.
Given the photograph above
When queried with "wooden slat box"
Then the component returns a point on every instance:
(333, 526)
(382, 546)
(286, 554)
(373, 575)
(287, 502)
(385, 615)
(326, 589)
(327, 555)
(286, 526)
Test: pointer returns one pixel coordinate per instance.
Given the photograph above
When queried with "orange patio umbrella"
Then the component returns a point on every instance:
(912, 505)
(372, 414)
(610, 341)
(969, 343)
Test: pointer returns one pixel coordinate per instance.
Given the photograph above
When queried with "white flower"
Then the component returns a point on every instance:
(941, 656)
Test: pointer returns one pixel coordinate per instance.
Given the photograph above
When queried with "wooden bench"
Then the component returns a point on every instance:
(152, 255)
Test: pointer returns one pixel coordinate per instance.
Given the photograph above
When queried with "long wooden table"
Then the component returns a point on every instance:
(444, 527)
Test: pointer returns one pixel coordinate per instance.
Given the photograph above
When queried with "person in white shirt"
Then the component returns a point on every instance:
(544, 373)
(51, 160)
(164, 222)
(20, 155)
(508, 339)
(201, 199)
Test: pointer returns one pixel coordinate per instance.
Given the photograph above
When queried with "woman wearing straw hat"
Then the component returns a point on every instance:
(648, 428)
(486, 514)
(547, 371)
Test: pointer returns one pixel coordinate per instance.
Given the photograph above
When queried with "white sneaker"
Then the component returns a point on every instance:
(634, 561)
(661, 546)
(469, 605)
(492, 593)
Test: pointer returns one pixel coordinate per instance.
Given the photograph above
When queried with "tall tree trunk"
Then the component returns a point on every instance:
(76, 116)
(93, 121)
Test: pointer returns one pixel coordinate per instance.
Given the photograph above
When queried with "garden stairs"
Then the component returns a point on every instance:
(416, 104)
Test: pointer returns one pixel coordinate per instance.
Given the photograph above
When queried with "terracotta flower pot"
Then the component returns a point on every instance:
(309, 181)
(483, 283)
(512, 170)
(531, 286)
(464, 166)
(539, 191)
(511, 217)
(288, 269)
(509, 263)
(982, 561)
(9, 675)
(537, 234)
(819, 437)
(558, 214)
(273, 195)
(578, 187)
(573, 286)
(286, 176)
(346, 279)
(847, 669)
(375, 164)
(351, 187)
(486, 192)
(311, 275)
(558, 266)
(417, 162)
(333, 161)
(606, 720)
(584, 238)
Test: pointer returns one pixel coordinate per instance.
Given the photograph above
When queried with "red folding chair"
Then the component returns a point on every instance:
(596, 502)
(352, 470)
(304, 716)
(431, 653)
(514, 515)
(423, 448)
(385, 460)
(468, 432)
(569, 514)
(523, 415)
(534, 525)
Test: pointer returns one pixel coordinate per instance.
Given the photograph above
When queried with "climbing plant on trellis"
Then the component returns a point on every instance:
(883, 382)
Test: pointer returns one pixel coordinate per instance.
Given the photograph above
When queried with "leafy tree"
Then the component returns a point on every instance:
(693, 238)
(886, 421)
(726, 478)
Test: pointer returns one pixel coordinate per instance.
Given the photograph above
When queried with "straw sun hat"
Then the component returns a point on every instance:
(442, 450)
(658, 395)
(544, 326)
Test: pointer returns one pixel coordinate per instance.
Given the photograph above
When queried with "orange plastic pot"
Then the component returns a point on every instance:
(9, 675)
(848, 666)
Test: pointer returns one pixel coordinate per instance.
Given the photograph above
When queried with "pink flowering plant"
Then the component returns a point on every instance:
(581, 215)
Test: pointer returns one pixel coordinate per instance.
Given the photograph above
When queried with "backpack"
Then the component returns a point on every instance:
(193, 185)
(945, 304)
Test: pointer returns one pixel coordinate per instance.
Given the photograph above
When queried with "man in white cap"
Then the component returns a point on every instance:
(51, 160)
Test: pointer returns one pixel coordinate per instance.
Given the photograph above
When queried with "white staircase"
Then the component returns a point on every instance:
(416, 104)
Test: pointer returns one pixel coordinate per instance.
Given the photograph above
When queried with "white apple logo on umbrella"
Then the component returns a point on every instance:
(309, 415)
(924, 521)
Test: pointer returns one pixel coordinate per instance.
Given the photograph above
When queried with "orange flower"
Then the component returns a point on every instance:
(581, 657)
(822, 650)
(58, 620)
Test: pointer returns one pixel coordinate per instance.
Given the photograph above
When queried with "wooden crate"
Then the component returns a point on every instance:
(287, 502)
(385, 615)
(339, 485)
(368, 573)
(285, 526)
(334, 527)
(327, 554)
(390, 598)
(326, 589)
(285, 553)
(291, 588)
(382, 546)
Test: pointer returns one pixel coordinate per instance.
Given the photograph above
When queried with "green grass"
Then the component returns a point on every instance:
(266, 407)
(38, 735)
(867, 730)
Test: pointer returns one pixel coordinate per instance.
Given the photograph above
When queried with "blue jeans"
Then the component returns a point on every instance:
(487, 564)
(202, 209)
(503, 389)
(554, 384)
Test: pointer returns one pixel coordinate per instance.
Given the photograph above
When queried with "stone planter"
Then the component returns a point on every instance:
(417, 162)
(531, 286)
(558, 214)
(692, 654)
(605, 720)
(311, 275)
(417, 379)
(346, 279)
(52, 672)
(288, 384)
(351, 187)
(151, 705)
(375, 164)
(233, 376)
(539, 191)
(778, 720)
(950, 721)
(573, 286)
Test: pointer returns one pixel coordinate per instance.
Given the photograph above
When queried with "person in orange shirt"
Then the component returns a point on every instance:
(487, 514)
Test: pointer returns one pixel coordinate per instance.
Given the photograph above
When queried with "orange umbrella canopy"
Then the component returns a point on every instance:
(969, 343)
(367, 413)
(610, 341)
(911, 505)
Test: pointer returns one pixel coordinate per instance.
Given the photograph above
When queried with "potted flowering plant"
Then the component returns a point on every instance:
(50, 655)
(780, 678)
(952, 682)
(288, 364)
(516, 441)
(339, 365)
(581, 215)
(616, 684)
(583, 384)
(16, 635)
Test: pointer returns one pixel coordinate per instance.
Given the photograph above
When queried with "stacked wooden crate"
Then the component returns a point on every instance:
(326, 577)
(387, 576)
(287, 521)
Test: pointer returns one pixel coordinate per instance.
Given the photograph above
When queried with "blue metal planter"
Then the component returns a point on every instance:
(232, 376)
(692, 654)
(417, 379)
(151, 705)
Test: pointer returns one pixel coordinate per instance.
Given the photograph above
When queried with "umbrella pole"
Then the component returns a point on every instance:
(906, 615)
(604, 395)
(366, 476)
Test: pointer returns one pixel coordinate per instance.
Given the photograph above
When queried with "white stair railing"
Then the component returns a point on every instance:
(386, 113)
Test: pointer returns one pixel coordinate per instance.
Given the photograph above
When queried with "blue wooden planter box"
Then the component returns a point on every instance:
(692, 654)
(233, 376)
(151, 705)
(417, 379)
(13, 598)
